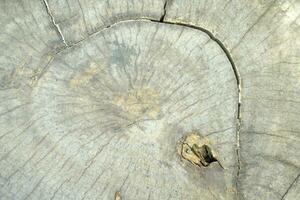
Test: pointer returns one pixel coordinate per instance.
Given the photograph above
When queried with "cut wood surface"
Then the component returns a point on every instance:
(140, 99)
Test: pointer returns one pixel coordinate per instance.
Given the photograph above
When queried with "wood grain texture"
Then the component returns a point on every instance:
(263, 39)
(96, 95)
(80, 18)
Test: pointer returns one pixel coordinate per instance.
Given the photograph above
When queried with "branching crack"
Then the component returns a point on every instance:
(58, 30)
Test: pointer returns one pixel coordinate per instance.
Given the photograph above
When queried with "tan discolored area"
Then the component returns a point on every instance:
(85, 76)
(197, 149)
(24, 74)
(139, 103)
(118, 196)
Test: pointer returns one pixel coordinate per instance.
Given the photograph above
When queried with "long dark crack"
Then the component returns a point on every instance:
(57, 28)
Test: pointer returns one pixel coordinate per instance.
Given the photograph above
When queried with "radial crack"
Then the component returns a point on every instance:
(254, 24)
(58, 30)
(162, 18)
(290, 186)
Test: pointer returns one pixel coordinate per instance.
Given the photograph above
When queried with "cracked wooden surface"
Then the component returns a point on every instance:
(95, 96)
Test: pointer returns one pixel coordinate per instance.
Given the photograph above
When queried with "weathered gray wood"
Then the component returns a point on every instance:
(97, 97)
(263, 39)
(78, 18)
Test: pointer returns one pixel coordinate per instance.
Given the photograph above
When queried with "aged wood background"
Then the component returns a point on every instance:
(96, 97)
